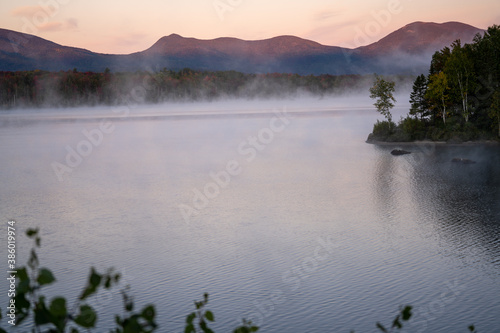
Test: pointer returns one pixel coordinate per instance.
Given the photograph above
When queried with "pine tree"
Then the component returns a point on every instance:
(419, 105)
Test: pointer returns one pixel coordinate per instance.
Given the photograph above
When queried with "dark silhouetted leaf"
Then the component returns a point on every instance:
(45, 277)
(58, 307)
(87, 317)
(406, 313)
(381, 327)
(209, 315)
(149, 313)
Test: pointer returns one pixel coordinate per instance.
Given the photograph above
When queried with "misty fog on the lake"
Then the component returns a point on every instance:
(276, 207)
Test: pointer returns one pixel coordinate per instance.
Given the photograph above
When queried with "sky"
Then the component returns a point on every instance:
(122, 27)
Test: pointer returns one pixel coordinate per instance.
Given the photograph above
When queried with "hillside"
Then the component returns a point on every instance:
(407, 50)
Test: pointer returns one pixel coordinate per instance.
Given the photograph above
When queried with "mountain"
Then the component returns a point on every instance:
(421, 37)
(407, 50)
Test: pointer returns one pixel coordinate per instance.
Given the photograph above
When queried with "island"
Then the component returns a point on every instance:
(457, 102)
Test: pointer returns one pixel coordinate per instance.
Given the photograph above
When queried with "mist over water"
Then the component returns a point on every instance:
(296, 222)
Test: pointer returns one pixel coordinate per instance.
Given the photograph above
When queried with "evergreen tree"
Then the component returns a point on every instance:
(419, 105)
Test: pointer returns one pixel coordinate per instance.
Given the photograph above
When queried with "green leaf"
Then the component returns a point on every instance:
(31, 232)
(190, 318)
(58, 307)
(149, 313)
(472, 328)
(406, 313)
(22, 274)
(45, 276)
(94, 278)
(396, 323)
(87, 317)
(2, 331)
(42, 315)
(189, 328)
(381, 327)
(92, 284)
(209, 315)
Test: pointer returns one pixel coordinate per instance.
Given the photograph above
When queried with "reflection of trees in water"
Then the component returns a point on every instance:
(464, 199)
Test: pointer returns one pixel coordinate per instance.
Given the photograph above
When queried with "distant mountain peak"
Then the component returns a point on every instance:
(289, 54)
(422, 37)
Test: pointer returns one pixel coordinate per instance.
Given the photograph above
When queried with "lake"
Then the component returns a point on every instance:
(278, 209)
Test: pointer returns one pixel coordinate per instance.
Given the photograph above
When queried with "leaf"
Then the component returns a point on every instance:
(45, 276)
(149, 313)
(381, 327)
(31, 232)
(190, 318)
(189, 329)
(94, 278)
(209, 315)
(58, 307)
(92, 284)
(406, 313)
(396, 323)
(87, 317)
(42, 315)
(22, 274)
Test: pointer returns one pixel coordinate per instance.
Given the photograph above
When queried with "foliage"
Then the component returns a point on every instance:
(459, 68)
(418, 101)
(437, 92)
(404, 315)
(494, 111)
(458, 101)
(197, 321)
(55, 316)
(414, 128)
(73, 88)
(383, 92)
(382, 130)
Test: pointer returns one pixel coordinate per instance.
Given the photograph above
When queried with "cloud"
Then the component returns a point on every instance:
(332, 34)
(27, 10)
(68, 25)
(325, 15)
(50, 26)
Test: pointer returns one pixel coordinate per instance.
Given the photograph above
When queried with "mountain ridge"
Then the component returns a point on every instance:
(19, 51)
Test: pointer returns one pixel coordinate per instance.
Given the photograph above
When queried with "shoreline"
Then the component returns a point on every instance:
(440, 143)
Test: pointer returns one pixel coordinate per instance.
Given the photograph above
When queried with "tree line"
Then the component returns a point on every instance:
(72, 88)
(459, 100)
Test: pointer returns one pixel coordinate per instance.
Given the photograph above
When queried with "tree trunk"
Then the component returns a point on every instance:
(444, 111)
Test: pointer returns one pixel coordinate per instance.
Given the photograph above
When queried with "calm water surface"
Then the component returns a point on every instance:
(313, 231)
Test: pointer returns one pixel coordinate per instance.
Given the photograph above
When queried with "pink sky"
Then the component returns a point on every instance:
(110, 26)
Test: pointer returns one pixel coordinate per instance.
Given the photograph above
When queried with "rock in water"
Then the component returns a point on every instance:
(398, 152)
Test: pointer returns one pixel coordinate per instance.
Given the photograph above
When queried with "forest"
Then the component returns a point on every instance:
(73, 88)
(459, 99)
